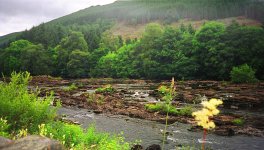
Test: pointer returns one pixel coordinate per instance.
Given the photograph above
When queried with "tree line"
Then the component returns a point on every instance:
(209, 52)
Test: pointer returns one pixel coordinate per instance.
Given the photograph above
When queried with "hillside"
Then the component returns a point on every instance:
(135, 13)
(153, 39)
(135, 31)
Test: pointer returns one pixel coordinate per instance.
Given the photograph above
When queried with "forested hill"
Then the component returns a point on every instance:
(85, 44)
(142, 11)
(134, 12)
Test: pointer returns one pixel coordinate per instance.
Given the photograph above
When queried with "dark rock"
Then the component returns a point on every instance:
(137, 147)
(33, 142)
(154, 147)
(98, 111)
(225, 132)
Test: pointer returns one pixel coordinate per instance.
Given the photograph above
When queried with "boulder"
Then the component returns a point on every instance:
(33, 142)
(4, 141)
(154, 147)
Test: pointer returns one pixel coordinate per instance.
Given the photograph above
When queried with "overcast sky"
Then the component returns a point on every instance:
(18, 15)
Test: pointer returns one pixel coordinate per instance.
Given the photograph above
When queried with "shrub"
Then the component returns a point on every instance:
(96, 98)
(3, 128)
(105, 89)
(243, 74)
(185, 111)
(70, 88)
(73, 136)
(24, 110)
(238, 121)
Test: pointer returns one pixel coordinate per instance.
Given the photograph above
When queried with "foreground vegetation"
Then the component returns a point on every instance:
(24, 113)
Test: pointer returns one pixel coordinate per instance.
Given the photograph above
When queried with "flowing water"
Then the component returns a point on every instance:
(150, 132)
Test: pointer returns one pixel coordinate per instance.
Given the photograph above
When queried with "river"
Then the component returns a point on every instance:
(149, 132)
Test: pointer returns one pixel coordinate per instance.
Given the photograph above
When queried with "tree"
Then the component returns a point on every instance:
(11, 56)
(208, 43)
(69, 51)
(152, 32)
(105, 66)
(78, 64)
(75, 41)
(35, 59)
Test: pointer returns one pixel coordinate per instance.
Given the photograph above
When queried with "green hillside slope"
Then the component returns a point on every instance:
(134, 12)
(153, 39)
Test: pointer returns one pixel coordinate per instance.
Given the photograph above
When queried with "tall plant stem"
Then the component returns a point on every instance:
(165, 130)
(204, 137)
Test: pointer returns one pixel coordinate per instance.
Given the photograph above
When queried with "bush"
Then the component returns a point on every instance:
(238, 121)
(70, 88)
(105, 89)
(26, 113)
(243, 74)
(3, 128)
(95, 98)
(73, 136)
(185, 111)
(24, 110)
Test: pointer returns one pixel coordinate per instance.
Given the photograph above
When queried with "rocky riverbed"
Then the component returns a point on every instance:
(241, 101)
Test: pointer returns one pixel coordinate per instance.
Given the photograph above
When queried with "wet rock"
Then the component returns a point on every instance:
(98, 111)
(188, 97)
(154, 147)
(195, 129)
(4, 141)
(34, 142)
(137, 147)
(224, 120)
(167, 132)
(234, 107)
(251, 131)
(225, 132)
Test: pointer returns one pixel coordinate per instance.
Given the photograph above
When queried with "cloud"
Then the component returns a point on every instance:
(18, 15)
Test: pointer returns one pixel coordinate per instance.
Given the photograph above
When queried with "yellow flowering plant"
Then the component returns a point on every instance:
(203, 116)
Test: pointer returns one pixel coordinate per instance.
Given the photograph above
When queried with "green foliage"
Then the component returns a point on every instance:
(96, 98)
(22, 55)
(161, 107)
(74, 41)
(238, 121)
(78, 65)
(243, 74)
(73, 136)
(26, 113)
(106, 89)
(73, 56)
(70, 88)
(4, 128)
(209, 52)
(21, 108)
(35, 59)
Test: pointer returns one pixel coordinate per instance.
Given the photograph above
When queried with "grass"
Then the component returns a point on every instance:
(105, 89)
(97, 98)
(70, 88)
(238, 121)
(73, 136)
(161, 107)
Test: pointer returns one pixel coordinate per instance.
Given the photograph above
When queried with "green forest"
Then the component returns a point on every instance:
(82, 45)
(209, 52)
